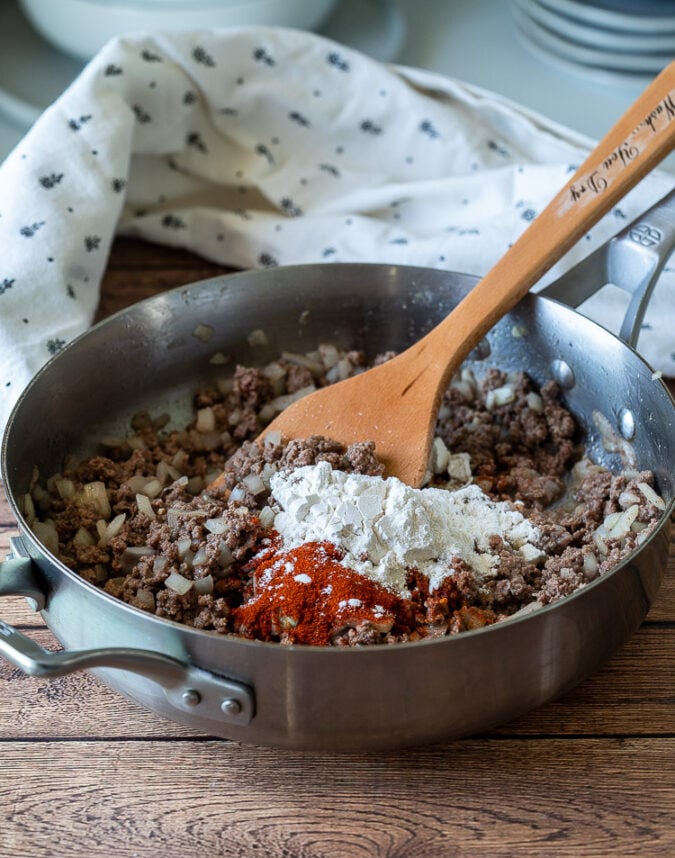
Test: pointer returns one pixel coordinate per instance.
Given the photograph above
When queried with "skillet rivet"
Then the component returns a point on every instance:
(562, 372)
(191, 697)
(482, 350)
(230, 706)
(627, 424)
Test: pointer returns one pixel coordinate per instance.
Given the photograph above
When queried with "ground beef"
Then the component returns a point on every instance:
(298, 377)
(357, 458)
(168, 546)
(520, 450)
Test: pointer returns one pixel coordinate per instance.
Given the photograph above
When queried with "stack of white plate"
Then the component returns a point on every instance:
(621, 41)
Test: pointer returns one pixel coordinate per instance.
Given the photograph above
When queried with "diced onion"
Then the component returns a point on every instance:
(212, 476)
(152, 488)
(282, 402)
(440, 456)
(333, 375)
(113, 528)
(257, 338)
(612, 442)
(314, 366)
(145, 507)
(254, 483)
(159, 564)
(132, 554)
(651, 495)
(267, 413)
(611, 520)
(459, 468)
(266, 517)
(467, 374)
(226, 557)
(47, 534)
(329, 355)
(464, 388)
(183, 546)
(344, 368)
(28, 508)
(623, 523)
(499, 396)
(590, 565)
(83, 538)
(136, 483)
(175, 513)
(627, 499)
(101, 573)
(203, 332)
(65, 488)
(196, 439)
(599, 540)
(113, 441)
(204, 586)
(535, 402)
(206, 420)
(166, 472)
(200, 557)
(136, 443)
(273, 437)
(178, 583)
(225, 385)
(145, 599)
(215, 525)
(585, 468)
(179, 461)
(274, 371)
(531, 553)
(95, 494)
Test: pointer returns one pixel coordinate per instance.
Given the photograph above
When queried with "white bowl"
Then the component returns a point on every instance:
(82, 27)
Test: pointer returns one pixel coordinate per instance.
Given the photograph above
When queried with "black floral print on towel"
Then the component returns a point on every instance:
(51, 181)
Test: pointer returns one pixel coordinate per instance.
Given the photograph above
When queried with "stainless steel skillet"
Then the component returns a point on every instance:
(149, 357)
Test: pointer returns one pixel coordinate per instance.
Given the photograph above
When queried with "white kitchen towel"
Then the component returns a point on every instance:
(263, 146)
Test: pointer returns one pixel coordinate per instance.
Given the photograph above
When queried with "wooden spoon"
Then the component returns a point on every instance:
(396, 404)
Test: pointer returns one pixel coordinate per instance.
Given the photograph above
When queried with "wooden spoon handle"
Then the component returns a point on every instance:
(643, 136)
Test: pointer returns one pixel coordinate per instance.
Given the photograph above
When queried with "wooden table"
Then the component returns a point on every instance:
(83, 772)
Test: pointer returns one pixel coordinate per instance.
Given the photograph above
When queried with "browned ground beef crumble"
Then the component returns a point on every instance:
(524, 446)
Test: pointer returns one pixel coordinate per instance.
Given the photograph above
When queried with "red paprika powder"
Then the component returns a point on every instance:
(305, 595)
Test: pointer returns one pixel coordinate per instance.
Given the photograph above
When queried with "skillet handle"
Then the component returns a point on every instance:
(187, 688)
(632, 260)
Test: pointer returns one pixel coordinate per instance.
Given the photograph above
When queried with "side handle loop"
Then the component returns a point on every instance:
(187, 688)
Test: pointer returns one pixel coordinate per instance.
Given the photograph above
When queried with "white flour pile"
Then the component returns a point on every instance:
(385, 526)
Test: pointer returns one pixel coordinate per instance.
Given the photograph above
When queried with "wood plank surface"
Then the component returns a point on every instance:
(480, 797)
(85, 772)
